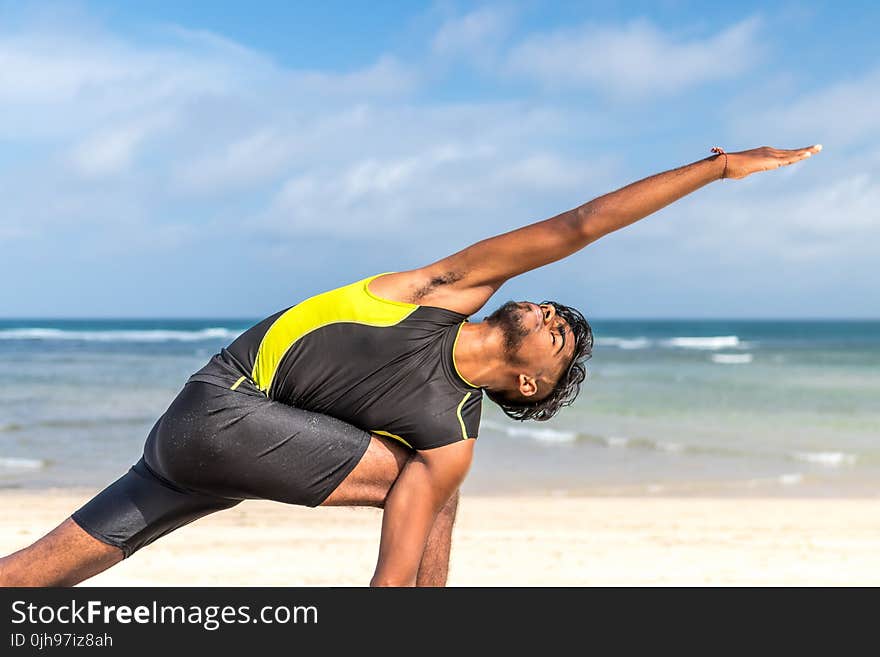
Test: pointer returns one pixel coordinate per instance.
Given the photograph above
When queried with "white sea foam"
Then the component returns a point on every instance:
(15, 463)
(732, 359)
(616, 441)
(788, 479)
(624, 343)
(710, 343)
(831, 459)
(670, 447)
(544, 435)
(158, 335)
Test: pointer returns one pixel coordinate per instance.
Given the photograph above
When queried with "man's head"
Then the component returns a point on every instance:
(545, 346)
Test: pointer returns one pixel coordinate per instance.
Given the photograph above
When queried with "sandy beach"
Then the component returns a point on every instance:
(505, 541)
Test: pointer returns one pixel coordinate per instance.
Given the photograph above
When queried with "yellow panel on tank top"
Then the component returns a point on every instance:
(351, 303)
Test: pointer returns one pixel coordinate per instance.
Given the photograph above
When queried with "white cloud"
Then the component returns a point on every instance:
(464, 184)
(112, 151)
(32, 71)
(54, 84)
(192, 113)
(802, 218)
(107, 153)
(387, 77)
(238, 164)
(841, 114)
(473, 34)
(635, 60)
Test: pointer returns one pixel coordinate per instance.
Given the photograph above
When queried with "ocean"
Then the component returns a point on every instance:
(672, 407)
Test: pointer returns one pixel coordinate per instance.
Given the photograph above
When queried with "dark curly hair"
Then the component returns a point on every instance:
(569, 384)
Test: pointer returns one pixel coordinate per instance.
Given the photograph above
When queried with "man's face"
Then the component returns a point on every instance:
(536, 339)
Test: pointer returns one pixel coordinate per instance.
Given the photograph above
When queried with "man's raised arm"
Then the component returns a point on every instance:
(465, 280)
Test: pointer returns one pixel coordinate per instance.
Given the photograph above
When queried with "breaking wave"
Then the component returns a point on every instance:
(134, 335)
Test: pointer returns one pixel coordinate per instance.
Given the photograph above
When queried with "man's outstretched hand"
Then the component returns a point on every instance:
(744, 163)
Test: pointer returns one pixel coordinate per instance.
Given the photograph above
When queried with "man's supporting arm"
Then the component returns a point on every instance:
(418, 495)
(434, 568)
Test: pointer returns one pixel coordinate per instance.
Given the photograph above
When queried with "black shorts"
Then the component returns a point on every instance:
(222, 441)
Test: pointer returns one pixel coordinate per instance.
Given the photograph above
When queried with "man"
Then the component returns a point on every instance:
(367, 395)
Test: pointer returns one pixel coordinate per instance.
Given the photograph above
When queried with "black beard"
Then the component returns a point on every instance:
(509, 319)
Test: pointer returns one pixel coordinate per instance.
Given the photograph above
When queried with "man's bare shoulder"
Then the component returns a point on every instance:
(429, 286)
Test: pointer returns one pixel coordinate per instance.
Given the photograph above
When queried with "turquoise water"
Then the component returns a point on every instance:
(669, 407)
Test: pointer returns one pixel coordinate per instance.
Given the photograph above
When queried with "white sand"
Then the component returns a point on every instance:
(504, 541)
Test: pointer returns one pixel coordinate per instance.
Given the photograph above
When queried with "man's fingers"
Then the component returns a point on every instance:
(790, 157)
(797, 157)
(803, 152)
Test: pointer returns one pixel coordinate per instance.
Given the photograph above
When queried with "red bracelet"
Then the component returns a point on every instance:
(720, 151)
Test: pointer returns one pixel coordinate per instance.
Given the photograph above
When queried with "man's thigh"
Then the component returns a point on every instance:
(368, 484)
(239, 444)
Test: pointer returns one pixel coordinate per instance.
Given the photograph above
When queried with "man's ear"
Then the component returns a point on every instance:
(528, 386)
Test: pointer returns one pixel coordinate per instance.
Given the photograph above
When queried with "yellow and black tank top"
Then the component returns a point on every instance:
(381, 365)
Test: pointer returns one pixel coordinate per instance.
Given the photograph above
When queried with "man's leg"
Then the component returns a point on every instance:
(368, 484)
(65, 556)
(435, 561)
(132, 512)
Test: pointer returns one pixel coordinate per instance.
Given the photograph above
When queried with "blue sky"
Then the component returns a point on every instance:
(226, 160)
